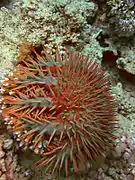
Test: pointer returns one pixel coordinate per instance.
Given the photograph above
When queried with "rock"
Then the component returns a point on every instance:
(133, 141)
(3, 177)
(118, 151)
(2, 154)
(8, 143)
(128, 150)
(130, 177)
(112, 171)
(133, 172)
(108, 178)
(123, 177)
(123, 147)
(2, 165)
(100, 170)
(105, 167)
(127, 156)
(127, 171)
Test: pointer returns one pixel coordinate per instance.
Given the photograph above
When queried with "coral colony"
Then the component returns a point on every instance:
(60, 107)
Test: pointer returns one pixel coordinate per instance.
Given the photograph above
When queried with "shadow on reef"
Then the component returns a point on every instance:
(7, 3)
(4, 2)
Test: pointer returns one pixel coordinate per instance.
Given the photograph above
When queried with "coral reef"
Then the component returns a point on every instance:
(126, 107)
(94, 27)
(127, 60)
(127, 114)
(49, 22)
(7, 3)
(91, 44)
(123, 20)
(9, 167)
(51, 102)
(10, 28)
(57, 22)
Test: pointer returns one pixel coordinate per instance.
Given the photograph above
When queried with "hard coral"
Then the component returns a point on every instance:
(123, 12)
(61, 107)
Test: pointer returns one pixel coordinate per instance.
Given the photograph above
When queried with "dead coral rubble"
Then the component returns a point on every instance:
(9, 167)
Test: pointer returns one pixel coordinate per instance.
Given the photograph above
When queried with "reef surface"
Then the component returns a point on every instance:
(104, 30)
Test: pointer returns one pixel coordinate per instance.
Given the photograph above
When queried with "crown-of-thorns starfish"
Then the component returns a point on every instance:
(61, 107)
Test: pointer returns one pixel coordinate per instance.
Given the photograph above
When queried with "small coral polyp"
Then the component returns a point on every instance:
(61, 107)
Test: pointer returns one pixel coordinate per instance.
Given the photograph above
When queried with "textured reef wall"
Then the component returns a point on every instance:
(102, 29)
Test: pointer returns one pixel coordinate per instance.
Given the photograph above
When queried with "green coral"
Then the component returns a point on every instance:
(131, 126)
(117, 92)
(92, 48)
(10, 29)
(82, 10)
(127, 60)
(127, 124)
(56, 21)
(129, 104)
(127, 118)
(53, 22)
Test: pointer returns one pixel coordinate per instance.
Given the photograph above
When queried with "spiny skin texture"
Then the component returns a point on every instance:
(61, 108)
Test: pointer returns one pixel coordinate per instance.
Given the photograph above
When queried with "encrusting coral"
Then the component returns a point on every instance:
(60, 106)
(124, 16)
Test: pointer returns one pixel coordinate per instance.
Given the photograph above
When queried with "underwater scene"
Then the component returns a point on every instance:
(67, 89)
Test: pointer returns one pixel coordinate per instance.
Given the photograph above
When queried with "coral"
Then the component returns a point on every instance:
(7, 3)
(60, 107)
(50, 22)
(123, 12)
(57, 22)
(126, 110)
(10, 29)
(92, 45)
(117, 92)
(127, 60)
(93, 48)
(127, 117)
(9, 166)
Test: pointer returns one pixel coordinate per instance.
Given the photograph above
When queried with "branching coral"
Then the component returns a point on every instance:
(57, 22)
(53, 22)
(61, 107)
